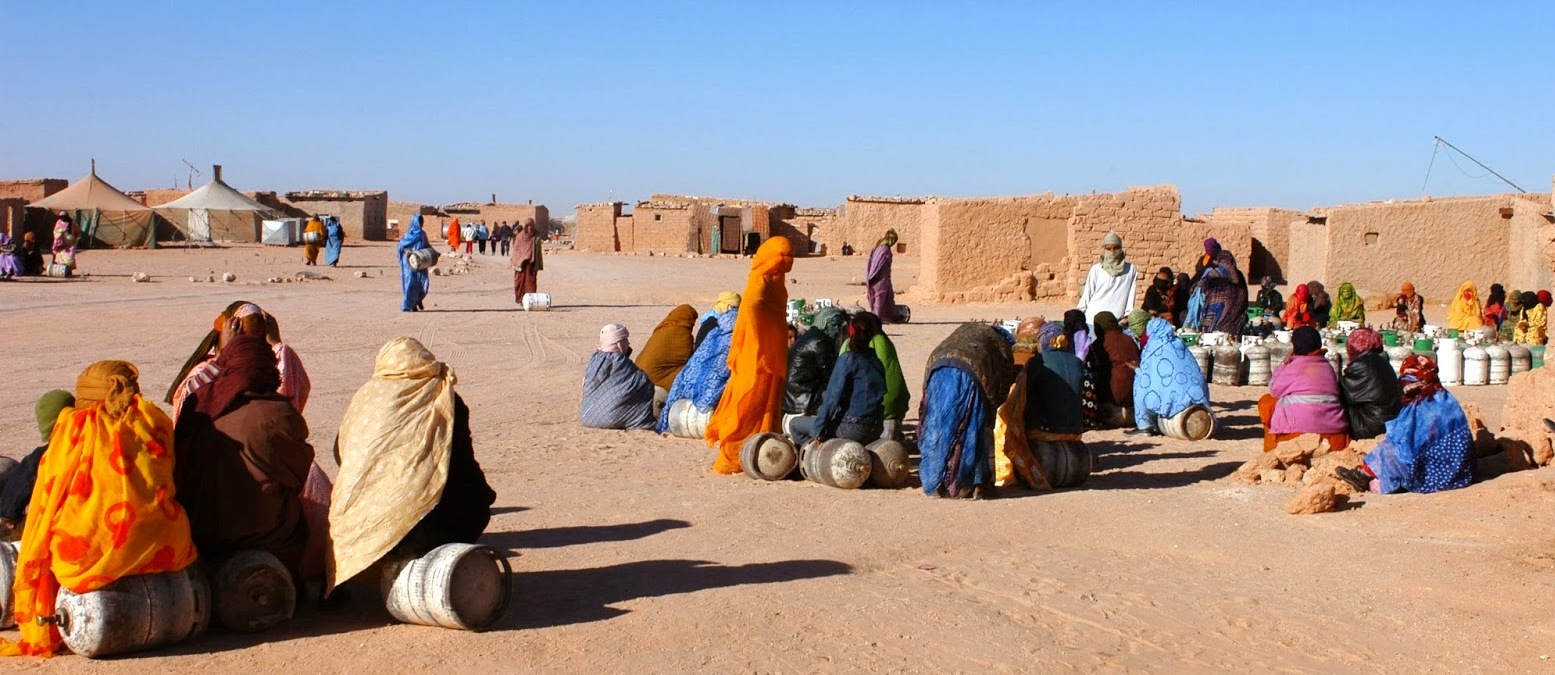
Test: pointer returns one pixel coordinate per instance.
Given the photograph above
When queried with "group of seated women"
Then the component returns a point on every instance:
(123, 489)
(1425, 444)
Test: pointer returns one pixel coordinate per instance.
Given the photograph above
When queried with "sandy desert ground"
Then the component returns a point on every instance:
(630, 555)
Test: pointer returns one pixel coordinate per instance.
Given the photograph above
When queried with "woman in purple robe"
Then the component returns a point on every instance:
(882, 298)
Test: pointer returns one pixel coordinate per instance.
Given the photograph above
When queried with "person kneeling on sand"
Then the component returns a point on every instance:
(616, 393)
(408, 479)
(853, 406)
(1427, 448)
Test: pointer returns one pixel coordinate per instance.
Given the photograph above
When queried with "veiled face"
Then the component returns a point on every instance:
(775, 257)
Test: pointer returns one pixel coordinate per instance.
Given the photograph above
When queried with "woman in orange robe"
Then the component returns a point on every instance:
(454, 236)
(758, 358)
(104, 507)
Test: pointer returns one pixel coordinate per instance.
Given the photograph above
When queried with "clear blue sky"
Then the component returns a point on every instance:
(1238, 103)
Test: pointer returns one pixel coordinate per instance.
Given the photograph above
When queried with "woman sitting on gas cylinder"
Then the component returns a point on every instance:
(1303, 396)
(1369, 388)
(853, 406)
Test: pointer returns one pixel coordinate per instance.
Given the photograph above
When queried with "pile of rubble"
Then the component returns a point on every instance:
(454, 263)
(1310, 466)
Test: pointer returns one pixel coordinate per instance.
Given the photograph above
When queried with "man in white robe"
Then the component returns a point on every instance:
(1109, 287)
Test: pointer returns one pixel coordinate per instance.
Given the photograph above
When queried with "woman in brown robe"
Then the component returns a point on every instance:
(669, 348)
(242, 457)
(527, 261)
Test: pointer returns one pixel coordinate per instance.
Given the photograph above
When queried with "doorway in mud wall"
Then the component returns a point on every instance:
(729, 234)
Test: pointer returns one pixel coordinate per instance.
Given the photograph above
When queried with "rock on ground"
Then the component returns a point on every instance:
(1314, 499)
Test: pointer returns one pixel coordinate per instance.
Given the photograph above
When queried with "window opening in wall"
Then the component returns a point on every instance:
(658, 217)
(1371, 238)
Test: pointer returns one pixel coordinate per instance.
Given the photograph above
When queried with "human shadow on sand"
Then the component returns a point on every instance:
(1107, 461)
(564, 597)
(1238, 428)
(557, 537)
(1141, 480)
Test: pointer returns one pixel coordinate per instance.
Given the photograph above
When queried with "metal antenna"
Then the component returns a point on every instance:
(192, 173)
(1504, 179)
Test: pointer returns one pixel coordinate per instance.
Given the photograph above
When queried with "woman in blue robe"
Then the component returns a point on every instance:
(334, 238)
(415, 282)
(969, 376)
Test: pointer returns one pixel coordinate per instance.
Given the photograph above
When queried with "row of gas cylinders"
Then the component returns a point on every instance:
(461, 586)
(1474, 366)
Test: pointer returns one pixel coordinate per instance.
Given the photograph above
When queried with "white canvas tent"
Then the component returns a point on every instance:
(217, 212)
(106, 216)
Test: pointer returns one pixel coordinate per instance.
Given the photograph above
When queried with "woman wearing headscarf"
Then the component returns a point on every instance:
(242, 457)
(727, 301)
(1168, 380)
(877, 277)
(752, 402)
(1043, 409)
(1319, 303)
(1110, 284)
(1348, 306)
(408, 479)
(1137, 320)
(1158, 296)
(10, 260)
(967, 379)
(1466, 313)
(1428, 447)
(1369, 387)
(853, 405)
(668, 348)
(239, 318)
(1182, 293)
(1545, 298)
(1112, 362)
(1303, 396)
(1269, 298)
(1078, 333)
(32, 256)
(1059, 357)
(616, 393)
(334, 240)
(105, 506)
(295, 383)
(1410, 310)
(1495, 307)
(17, 489)
(1027, 334)
(896, 395)
(1224, 290)
(1532, 322)
(705, 375)
(312, 240)
(528, 261)
(810, 362)
(1298, 311)
(413, 282)
(66, 237)
(455, 235)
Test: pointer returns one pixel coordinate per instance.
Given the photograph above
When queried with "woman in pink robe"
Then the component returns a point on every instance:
(882, 297)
